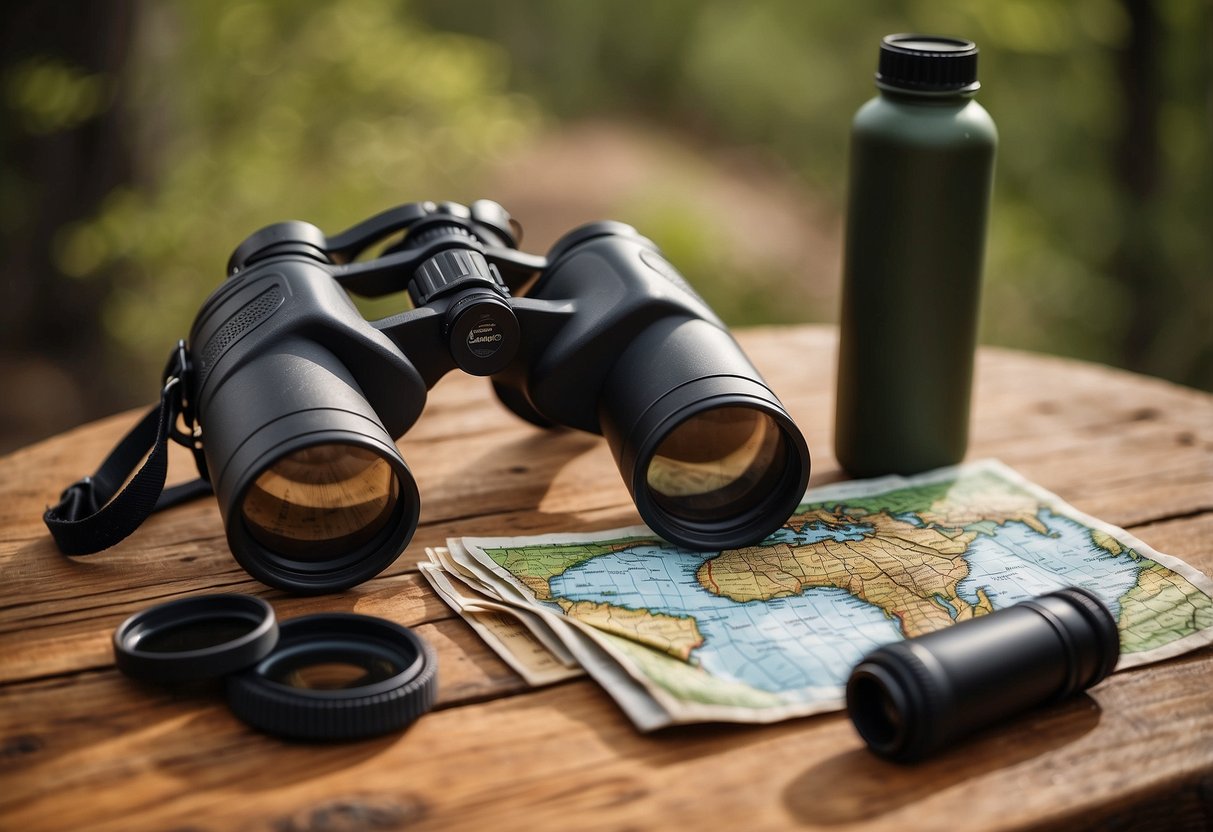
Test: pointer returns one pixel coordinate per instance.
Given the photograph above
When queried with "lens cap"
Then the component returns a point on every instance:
(337, 676)
(193, 639)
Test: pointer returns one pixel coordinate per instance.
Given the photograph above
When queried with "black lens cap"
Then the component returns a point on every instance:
(333, 676)
(193, 639)
(337, 676)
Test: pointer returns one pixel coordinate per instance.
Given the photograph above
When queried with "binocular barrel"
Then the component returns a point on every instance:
(913, 697)
(711, 458)
(314, 494)
(312, 489)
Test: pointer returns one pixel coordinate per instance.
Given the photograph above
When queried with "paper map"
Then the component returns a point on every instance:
(772, 631)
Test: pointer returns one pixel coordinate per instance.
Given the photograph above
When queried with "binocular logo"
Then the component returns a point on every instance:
(298, 400)
(484, 339)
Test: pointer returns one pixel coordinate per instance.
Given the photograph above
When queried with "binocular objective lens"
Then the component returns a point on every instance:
(320, 499)
(719, 462)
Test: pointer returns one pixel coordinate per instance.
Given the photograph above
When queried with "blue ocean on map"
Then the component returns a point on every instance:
(816, 532)
(803, 641)
(1017, 563)
(812, 640)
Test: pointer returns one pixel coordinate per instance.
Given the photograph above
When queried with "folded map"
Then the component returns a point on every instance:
(771, 631)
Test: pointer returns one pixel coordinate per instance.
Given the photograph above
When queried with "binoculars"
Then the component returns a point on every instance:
(296, 399)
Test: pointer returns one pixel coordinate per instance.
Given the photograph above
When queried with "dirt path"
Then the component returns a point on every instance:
(758, 218)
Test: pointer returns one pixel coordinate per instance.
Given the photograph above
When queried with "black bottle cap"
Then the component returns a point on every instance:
(927, 64)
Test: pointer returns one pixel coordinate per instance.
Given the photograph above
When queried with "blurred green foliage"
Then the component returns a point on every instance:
(250, 113)
(50, 96)
(787, 76)
(328, 110)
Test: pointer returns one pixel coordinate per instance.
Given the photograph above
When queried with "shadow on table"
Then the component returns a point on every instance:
(515, 478)
(857, 785)
(222, 755)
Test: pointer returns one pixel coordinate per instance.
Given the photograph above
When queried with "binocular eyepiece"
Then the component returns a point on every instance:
(299, 400)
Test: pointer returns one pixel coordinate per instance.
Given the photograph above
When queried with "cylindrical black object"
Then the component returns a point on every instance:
(194, 639)
(911, 698)
(314, 494)
(710, 455)
(332, 676)
(337, 676)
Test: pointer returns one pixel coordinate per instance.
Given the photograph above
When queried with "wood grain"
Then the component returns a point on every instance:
(82, 747)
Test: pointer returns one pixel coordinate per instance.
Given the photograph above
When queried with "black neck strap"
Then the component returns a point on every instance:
(99, 511)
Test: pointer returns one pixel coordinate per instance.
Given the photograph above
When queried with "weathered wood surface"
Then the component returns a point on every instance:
(82, 747)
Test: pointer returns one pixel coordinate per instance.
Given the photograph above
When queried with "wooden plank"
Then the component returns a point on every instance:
(539, 759)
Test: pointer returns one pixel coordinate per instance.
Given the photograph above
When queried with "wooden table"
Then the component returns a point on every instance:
(83, 747)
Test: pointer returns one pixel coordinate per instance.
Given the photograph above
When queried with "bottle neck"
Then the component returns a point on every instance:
(940, 99)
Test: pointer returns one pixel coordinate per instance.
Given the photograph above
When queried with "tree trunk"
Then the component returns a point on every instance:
(56, 170)
(1137, 264)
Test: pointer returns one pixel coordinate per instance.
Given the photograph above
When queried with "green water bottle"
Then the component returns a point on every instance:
(922, 160)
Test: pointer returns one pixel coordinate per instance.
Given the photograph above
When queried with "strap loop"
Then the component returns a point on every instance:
(97, 511)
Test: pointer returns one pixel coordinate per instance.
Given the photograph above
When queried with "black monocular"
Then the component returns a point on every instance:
(297, 400)
(911, 698)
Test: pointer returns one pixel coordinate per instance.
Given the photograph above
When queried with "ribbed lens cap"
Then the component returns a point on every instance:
(927, 64)
(337, 676)
(194, 639)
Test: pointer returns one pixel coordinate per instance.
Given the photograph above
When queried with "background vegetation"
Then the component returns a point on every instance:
(142, 141)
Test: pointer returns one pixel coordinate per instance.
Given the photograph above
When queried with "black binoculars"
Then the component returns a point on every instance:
(297, 399)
